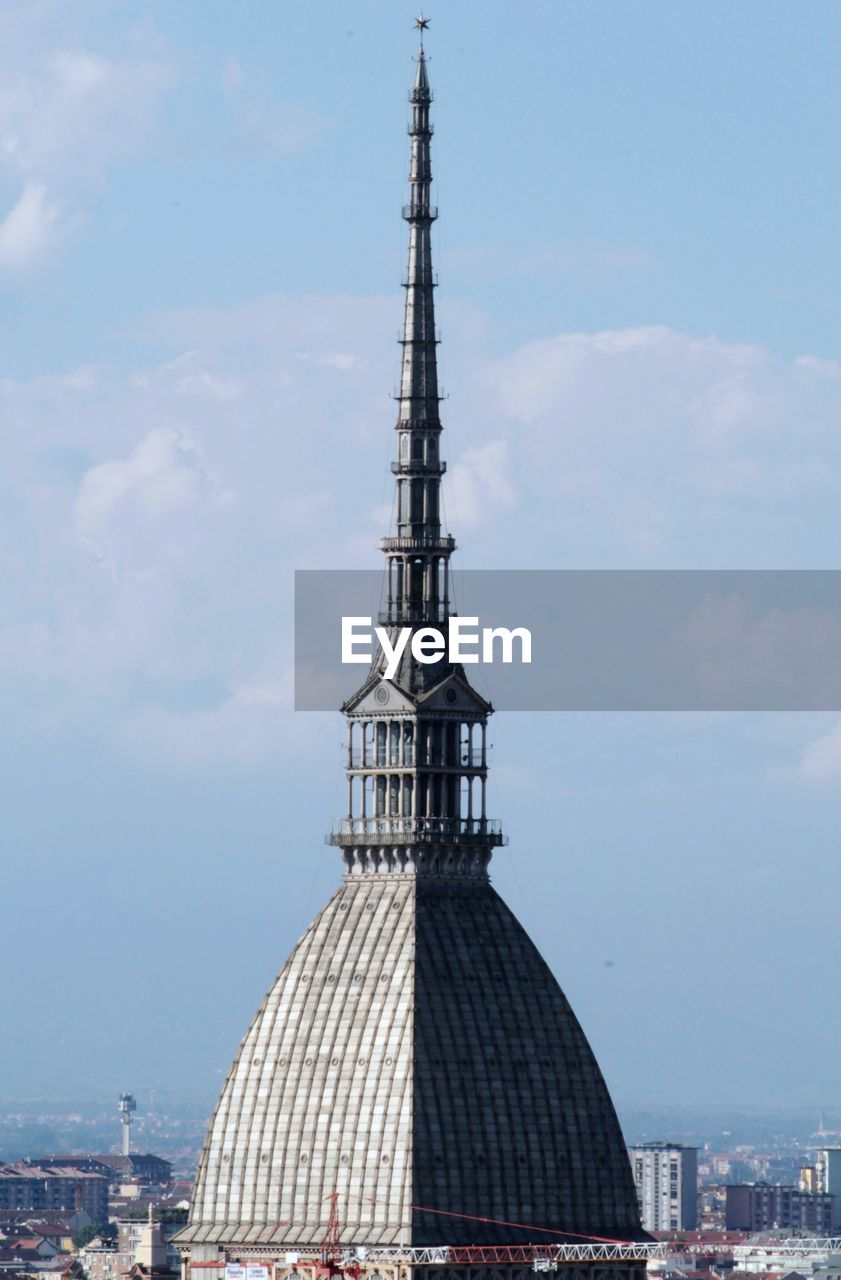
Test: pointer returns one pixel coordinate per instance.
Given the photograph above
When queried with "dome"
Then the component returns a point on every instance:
(416, 1057)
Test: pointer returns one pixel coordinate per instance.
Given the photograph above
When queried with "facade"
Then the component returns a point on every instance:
(134, 1167)
(141, 1242)
(828, 1172)
(415, 1092)
(30, 1187)
(760, 1207)
(666, 1181)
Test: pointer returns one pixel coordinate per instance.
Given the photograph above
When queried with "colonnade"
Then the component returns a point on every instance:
(405, 768)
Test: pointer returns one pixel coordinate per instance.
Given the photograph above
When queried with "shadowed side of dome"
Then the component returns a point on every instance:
(512, 1117)
(318, 1099)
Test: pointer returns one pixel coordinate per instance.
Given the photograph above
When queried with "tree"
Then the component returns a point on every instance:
(103, 1230)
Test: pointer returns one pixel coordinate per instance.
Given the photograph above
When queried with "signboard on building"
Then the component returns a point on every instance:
(234, 1271)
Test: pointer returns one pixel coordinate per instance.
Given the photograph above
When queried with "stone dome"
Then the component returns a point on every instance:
(416, 1056)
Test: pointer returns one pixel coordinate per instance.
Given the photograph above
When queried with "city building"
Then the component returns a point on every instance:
(828, 1172)
(118, 1169)
(415, 1089)
(666, 1181)
(758, 1206)
(766, 1256)
(143, 1243)
(27, 1186)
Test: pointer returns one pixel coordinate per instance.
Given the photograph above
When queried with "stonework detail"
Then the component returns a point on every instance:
(414, 1051)
(319, 1097)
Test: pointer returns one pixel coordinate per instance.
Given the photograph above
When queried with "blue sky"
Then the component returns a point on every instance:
(200, 256)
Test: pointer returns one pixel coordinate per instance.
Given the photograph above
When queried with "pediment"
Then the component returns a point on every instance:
(454, 694)
(379, 697)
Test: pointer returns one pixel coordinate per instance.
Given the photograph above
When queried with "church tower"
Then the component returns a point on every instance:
(415, 1094)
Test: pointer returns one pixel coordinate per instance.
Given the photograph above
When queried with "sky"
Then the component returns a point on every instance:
(200, 258)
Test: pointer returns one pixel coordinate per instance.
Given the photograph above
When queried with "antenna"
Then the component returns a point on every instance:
(127, 1107)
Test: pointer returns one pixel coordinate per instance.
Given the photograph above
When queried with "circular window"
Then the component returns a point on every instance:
(382, 695)
(334, 1062)
(281, 1062)
(451, 696)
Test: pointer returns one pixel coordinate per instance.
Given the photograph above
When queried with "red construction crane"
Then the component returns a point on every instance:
(331, 1261)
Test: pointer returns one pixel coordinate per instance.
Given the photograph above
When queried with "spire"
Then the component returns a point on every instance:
(418, 396)
(417, 573)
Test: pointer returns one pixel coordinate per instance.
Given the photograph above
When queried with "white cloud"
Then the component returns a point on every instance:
(163, 473)
(200, 484)
(284, 128)
(29, 230)
(478, 483)
(692, 451)
(68, 114)
(820, 760)
(245, 729)
(72, 112)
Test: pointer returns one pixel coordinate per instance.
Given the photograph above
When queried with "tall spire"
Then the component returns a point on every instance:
(418, 396)
(417, 742)
(418, 556)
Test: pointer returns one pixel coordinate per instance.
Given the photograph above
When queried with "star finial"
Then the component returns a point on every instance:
(421, 24)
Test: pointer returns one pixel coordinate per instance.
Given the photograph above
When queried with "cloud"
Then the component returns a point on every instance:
(478, 483)
(149, 539)
(29, 230)
(162, 474)
(244, 730)
(71, 112)
(283, 128)
(693, 450)
(68, 114)
(820, 760)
